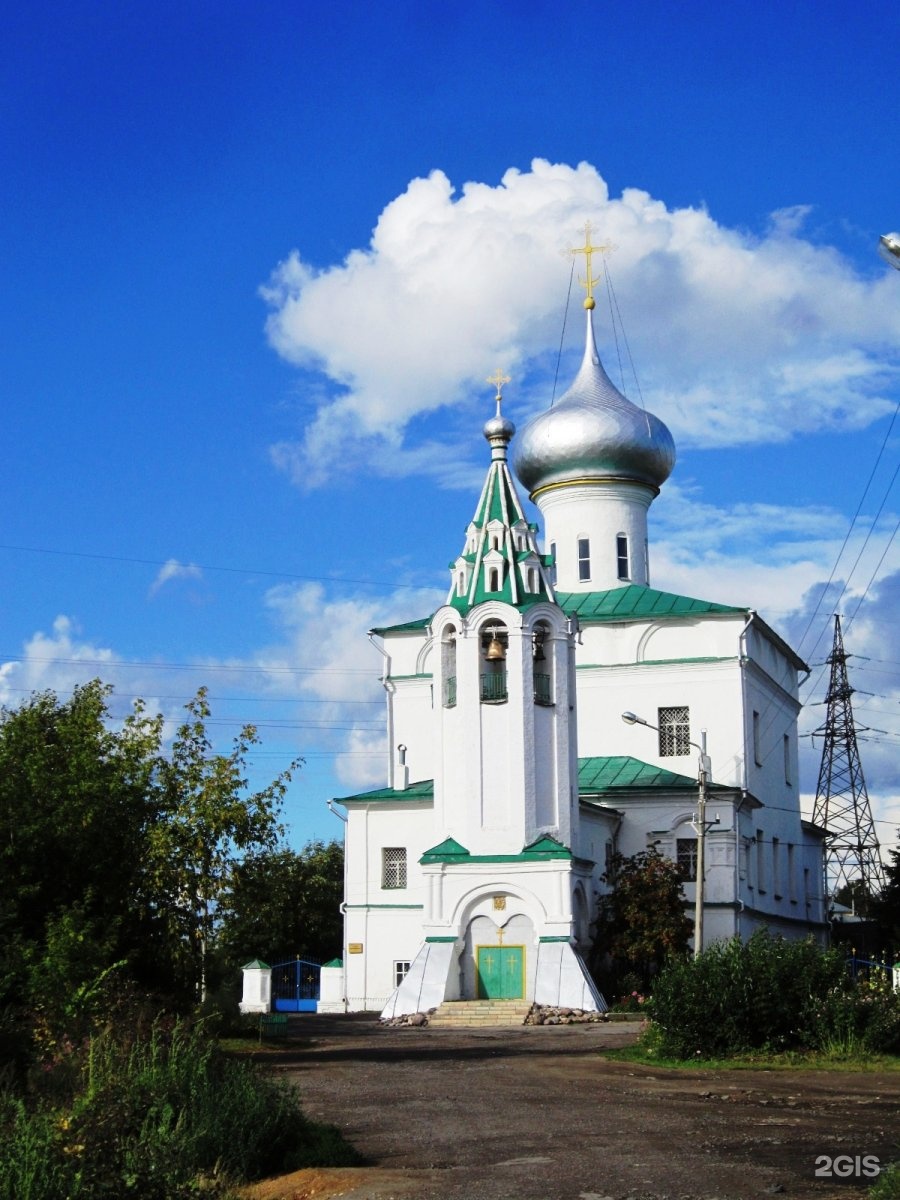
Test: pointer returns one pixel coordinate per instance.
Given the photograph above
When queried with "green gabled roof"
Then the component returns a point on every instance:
(407, 627)
(448, 849)
(632, 601)
(544, 849)
(627, 603)
(607, 773)
(423, 790)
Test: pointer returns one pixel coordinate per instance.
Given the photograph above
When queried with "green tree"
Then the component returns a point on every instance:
(641, 922)
(885, 908)
(75, 804)
(205, 822)
(281, 904)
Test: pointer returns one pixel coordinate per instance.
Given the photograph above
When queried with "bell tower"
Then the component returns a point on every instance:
(504, 682)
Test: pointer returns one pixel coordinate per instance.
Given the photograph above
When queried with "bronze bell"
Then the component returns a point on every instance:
(538, 655)
(495, 650)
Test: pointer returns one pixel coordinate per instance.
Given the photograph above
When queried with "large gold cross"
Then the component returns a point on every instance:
(589, 282)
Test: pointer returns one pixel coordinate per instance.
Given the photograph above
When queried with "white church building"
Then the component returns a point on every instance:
(475, 871)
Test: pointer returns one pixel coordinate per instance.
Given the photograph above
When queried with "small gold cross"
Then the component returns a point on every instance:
(498, 379)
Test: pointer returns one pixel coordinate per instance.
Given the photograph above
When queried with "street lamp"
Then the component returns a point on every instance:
(889, 249)
(704, 770)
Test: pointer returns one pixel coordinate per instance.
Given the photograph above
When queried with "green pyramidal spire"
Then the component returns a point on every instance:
(500, 560)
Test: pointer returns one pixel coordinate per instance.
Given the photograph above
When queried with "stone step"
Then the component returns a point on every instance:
(461, 1013)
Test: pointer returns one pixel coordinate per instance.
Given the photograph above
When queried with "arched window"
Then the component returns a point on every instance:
(448, 666)
(493, 579)
(461, 583)
(584, 558)
(553, 564)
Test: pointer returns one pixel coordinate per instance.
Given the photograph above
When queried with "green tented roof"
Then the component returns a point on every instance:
(632, 601)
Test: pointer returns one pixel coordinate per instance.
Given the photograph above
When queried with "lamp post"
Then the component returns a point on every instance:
(704, 769)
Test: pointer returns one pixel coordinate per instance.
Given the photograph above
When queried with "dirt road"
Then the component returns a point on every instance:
(537, 1113)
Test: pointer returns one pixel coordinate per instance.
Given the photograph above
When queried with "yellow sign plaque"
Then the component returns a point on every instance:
(355, 948)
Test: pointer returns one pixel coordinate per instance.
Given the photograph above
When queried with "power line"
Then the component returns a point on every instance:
(163, 666)
(155, 562)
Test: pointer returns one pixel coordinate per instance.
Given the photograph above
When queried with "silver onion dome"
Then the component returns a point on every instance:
(593, 433)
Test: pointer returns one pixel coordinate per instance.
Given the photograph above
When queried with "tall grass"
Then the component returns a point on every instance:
(155, 1118)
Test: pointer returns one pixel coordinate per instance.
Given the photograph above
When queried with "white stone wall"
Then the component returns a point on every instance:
(598, 512)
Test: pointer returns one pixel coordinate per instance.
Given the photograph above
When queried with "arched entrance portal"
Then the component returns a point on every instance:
(498, 958)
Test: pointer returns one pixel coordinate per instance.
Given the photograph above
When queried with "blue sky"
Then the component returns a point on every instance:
(259, 259)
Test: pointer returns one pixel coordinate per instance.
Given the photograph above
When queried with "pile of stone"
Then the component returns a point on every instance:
(547, 1014)
(418, 1018)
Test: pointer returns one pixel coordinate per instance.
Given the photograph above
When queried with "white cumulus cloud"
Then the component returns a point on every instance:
(173, 569)
(737, 338)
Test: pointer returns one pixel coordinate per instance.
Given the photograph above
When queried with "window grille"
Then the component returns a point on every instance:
(686, 857)
(493, 686)
(393, 867)
(542, 694)
(401, 970)
(674, 731)
(622, 556)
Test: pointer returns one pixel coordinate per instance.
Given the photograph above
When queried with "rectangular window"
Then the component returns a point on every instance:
(757, 756)
(686, 857)
(393, 867)
(787, 759)
(401, 970)
(622, 556)
(584, 558)
(776, 868)
(553, 563)
(674, 731)
(760, 862)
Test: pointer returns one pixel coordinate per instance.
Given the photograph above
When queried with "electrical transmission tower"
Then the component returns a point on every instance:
(852, 855)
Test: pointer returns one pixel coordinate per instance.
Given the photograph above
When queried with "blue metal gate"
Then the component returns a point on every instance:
(295, 985)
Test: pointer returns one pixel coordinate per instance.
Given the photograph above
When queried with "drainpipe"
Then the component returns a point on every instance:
(342, 907)
(385, 683)
(743, 658)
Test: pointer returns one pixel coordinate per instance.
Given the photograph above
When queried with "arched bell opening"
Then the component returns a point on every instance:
(542, 663)
(448, 666)
(494, 650)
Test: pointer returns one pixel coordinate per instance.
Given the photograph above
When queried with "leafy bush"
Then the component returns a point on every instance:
(770, 994)
(153, 1117)
(887, 1186)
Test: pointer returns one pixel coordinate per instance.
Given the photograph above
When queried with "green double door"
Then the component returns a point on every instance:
(501, 972)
